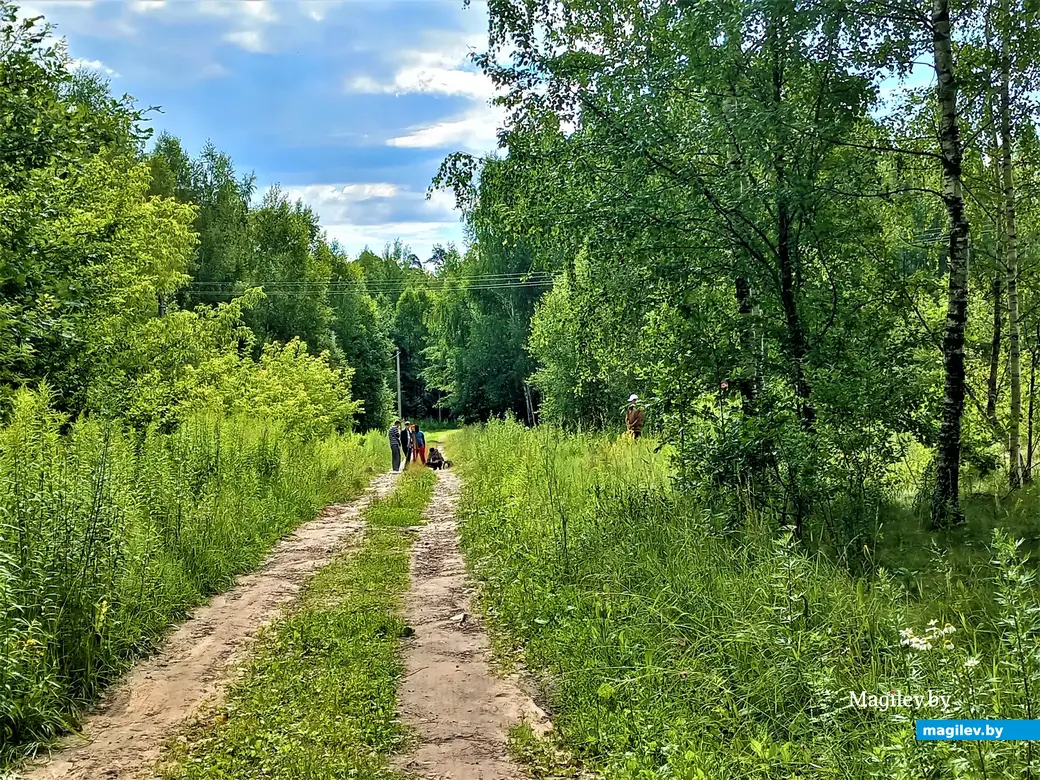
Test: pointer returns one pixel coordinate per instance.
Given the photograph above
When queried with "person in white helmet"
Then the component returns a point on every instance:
(634, 417)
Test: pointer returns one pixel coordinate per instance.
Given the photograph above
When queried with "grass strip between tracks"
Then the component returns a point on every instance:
(318, 697)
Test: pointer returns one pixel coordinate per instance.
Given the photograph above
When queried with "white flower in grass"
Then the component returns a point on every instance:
(971, 663)
(911, 640)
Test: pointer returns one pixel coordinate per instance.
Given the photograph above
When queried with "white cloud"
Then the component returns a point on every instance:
(443, 81)
(375, 213)
(250, 40)
(441, 66)
(317, 9)
(420, 236)
(325, 194)
(78, 63)
(475, 130)
(144, 6)
(259, 10)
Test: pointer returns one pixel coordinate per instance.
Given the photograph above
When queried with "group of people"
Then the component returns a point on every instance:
(408, 441)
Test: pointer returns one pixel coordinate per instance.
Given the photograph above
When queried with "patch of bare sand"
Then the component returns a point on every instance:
(124, 736)
(462, 713)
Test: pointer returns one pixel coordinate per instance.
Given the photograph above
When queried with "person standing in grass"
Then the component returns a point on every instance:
(407, 443)
(419, 443)
(634, 417)
(395, 444)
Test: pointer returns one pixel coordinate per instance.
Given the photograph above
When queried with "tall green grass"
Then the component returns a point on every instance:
(108, 536)
(670, 645)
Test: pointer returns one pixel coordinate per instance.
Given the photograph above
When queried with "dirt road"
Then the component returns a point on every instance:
(461, 712)
(124, 736)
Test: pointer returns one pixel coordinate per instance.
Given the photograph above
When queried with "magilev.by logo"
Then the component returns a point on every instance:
(897, 700)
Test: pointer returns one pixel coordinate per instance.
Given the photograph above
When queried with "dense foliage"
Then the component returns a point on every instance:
(816, 268)
(758, 216)
(132, 280)
(177, 381)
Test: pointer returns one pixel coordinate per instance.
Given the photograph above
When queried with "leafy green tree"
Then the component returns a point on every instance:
(290, 257)
(479, 326)
(362, 342)
(409, 333)
(79, 244)
(707, 159)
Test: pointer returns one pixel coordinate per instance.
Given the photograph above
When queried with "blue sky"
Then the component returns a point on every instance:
(349, 104)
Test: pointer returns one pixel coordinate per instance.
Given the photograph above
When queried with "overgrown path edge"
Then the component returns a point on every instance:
(123, 737)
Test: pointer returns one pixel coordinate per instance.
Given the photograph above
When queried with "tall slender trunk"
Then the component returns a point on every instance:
(1011, 259)
(994, 349)
(787, 257)
(946, 494)
(1027, 472)
(797, 345)
(745, 381)
(746, 362)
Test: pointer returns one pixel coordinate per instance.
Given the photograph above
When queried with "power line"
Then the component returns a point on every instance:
(505, 277)
(498, 281)
(308, 292)
(489, 281)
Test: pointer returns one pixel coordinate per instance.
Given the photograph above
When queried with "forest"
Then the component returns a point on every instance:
(805, 233)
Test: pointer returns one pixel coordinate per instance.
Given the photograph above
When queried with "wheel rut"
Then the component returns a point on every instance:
(461, 712)
(123, 737)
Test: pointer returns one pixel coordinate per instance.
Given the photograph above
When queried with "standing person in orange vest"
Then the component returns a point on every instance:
(634, 417)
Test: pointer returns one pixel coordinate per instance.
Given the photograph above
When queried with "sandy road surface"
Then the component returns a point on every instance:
(124, 736)
(461, 712)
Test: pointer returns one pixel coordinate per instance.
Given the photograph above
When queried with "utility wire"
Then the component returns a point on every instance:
(490, 281)
(498, 281)
(306, 292)
(399, 282)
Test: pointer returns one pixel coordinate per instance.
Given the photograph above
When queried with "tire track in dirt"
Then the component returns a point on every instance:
(123, 737)
(461, 712)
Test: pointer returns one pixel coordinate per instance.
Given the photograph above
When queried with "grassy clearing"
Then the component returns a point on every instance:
(318, 698)
(954, 566)
(671, 647)
(109, 536)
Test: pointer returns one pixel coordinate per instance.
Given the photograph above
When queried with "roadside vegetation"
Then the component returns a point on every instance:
(165, 414)
(669, 644)
(318, 698)
(110, 535)
(753, 215)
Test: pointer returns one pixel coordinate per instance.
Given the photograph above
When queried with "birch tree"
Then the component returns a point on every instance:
(946, 496)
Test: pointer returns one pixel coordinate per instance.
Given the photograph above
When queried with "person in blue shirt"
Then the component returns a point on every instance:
(418, 444)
